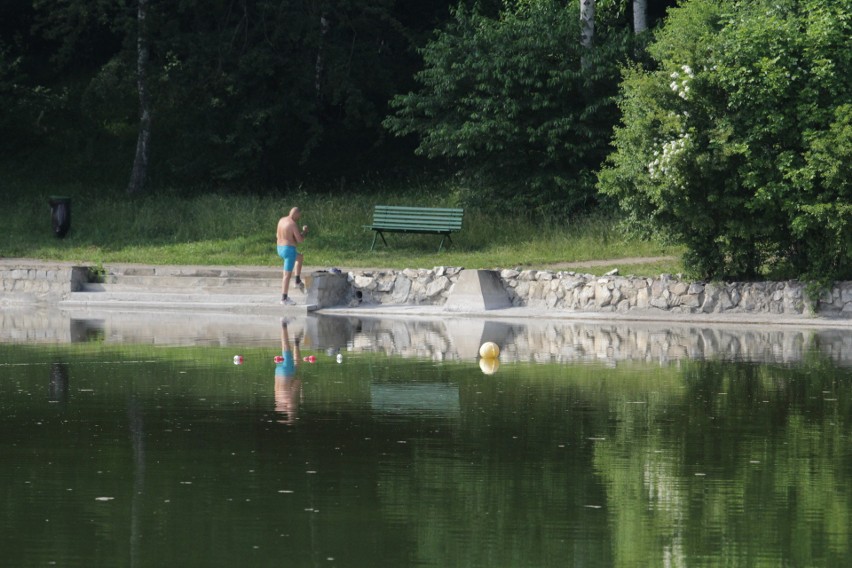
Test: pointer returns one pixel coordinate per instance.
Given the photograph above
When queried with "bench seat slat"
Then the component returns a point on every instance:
(438, 225)
(415, 218)
(421, 226)
(451, 210)
(415, 223)
(420, 213)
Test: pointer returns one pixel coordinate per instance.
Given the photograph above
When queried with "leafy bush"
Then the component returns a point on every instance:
(738, 144)
(507, 103)
(23, 107)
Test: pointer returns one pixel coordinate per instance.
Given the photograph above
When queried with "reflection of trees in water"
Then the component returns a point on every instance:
(58, 391)
(752, 461)
(515, 480)
(136, 425)
(58, 388)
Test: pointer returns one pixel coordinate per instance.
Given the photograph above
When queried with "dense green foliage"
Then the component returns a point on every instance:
(259, 93)
(738, 144)
(735, 139)
(256, 91)
(506, 102)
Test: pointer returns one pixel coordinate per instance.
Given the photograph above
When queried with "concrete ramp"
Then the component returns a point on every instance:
(477, 290)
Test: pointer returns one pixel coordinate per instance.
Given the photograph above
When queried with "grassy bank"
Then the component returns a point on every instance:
(219, 229)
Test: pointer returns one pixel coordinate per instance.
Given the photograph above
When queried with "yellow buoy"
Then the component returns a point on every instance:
(489, 365)
(489, 350)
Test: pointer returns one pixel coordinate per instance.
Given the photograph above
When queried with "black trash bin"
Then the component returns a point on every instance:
(60, 215)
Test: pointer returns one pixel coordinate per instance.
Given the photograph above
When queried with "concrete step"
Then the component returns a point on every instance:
(193, 281)
(200, 287)
(233, 302)
(250, 290)
(194, 271)
(168, 295)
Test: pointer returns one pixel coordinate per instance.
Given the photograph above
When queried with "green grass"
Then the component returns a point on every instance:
(219, 229)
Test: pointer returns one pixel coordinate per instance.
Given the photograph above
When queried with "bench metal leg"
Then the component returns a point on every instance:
(447, 237)
(376, 236)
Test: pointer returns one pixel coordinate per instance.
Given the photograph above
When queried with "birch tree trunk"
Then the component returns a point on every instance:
(139, 174)
(319, 64)
(587, 30)
(640, 16)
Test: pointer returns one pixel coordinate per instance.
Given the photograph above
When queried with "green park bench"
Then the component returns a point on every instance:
(423, 220)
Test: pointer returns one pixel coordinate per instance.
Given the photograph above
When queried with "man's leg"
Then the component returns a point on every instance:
(285, 282)
(298, 271)
(290, 257)
(285, 286)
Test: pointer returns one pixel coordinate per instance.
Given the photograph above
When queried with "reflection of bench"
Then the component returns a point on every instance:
(424, 220)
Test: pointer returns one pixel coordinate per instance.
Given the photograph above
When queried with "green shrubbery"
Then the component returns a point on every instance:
(735, 139)
(507, 102)
(739, 143)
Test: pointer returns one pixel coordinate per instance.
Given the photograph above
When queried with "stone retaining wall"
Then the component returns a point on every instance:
(21, 284)
(567, 291)
(570, 291)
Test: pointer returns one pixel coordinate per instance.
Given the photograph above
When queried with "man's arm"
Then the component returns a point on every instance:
(296, 235)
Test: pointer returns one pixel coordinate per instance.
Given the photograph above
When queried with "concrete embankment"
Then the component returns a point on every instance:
(551, 293)
(506, 293)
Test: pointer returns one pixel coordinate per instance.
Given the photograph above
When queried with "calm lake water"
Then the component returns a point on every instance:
(587, 445)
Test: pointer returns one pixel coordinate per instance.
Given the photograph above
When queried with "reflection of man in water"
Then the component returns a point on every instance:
(288, 389)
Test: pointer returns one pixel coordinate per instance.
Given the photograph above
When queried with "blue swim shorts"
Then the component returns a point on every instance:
(288, 253)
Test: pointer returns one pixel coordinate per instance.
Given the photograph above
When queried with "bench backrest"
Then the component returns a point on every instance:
(424, 218)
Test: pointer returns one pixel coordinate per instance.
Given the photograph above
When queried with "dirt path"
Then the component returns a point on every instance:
(553, 266)
(309, 268)
(615, 261)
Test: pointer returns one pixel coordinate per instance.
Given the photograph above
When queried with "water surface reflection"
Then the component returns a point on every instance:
(135, 441)
(447, 339)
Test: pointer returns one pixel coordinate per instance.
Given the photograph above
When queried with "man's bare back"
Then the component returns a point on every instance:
(288, 232)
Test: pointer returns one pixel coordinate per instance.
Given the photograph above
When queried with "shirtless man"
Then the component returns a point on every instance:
(289, 236)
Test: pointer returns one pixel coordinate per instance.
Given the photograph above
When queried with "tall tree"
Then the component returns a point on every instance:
(276, 89)
(249, 90)
(319, 63)
(139, 174)
(640, 16)
(587, 30)
(508, 107)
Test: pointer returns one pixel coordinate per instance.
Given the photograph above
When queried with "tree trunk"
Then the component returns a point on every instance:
(319, 64)
(139, 174)
(587, 30)
(640, 16)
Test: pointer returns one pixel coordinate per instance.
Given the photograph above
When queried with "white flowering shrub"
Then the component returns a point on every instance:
(738, 143)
